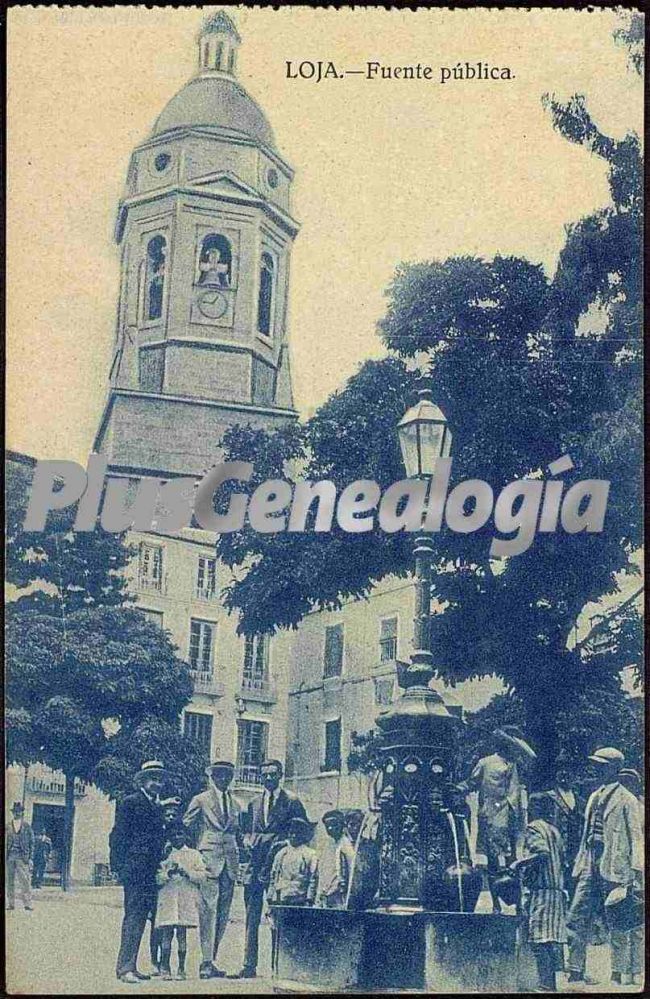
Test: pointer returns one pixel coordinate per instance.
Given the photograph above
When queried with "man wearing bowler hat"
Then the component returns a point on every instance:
(214, 818)
(136, 845)
(19, 851)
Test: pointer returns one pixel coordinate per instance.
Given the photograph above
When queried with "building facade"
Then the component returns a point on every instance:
(205, 231)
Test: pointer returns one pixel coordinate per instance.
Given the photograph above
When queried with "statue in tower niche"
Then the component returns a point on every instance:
(213, 271)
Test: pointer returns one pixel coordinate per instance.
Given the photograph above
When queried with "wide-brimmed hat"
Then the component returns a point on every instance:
(608, 754)
(219, 765)
(302, 826)
(512, 736)
(334, 813)
(151, 768)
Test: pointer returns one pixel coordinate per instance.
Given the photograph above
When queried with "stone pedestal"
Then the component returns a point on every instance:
(325, 951)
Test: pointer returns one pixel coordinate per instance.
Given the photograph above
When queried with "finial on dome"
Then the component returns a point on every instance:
(219, 41)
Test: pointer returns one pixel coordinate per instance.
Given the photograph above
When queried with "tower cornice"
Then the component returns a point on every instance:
(254, 200)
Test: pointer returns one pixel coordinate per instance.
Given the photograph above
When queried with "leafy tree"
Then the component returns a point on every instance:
(92, 686)
(73, 683)
(526, 369)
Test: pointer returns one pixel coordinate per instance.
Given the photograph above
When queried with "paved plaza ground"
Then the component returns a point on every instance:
(68, 945)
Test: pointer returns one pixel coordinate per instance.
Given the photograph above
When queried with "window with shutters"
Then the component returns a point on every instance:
(198, 728)
(332, 754)
(150, 568)
(202, 645)
(252, 741)
(333, 664)
(256, 662)
(388, 639)
(206, 578)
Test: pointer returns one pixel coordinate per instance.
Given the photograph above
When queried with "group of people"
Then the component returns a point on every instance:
(179, 867)
(577, 875)
(26, 857)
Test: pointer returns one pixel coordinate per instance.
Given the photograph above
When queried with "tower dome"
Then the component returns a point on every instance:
(214, 98)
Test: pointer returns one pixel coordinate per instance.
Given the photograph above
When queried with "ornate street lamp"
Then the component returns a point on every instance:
(424, 438)
(419, 836)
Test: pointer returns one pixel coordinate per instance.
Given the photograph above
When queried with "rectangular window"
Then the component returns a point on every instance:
(202, 645)
(333, 665)
(150, 569)
(198, 728)
(252, 741)
(332, 760)
(206, 578)
(156, 617)
(256, 662)
(388, 639)
(151, 369)
(384, 692)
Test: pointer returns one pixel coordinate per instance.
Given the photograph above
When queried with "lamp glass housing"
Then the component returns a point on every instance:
(424, 437)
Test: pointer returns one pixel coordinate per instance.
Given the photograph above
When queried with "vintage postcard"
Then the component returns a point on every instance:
(324, 472)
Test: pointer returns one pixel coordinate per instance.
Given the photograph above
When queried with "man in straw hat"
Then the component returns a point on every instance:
(610, 855)
(501, 815)
(136, 844)
(214, 818)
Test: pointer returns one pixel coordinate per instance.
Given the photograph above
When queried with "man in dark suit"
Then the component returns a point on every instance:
(266, 825)
(19, 852)
(136, 844)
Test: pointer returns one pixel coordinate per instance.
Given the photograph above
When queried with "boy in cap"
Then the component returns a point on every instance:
(542, 873)
(19, 850)
(294, 872)
(214, 818)
(335, 862)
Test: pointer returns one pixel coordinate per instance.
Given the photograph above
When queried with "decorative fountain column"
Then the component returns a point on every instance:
(419, 930)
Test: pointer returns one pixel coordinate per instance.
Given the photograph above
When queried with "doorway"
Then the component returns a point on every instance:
(50, 818)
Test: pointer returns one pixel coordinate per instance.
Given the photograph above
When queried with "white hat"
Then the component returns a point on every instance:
(152, 768)
(607, 755)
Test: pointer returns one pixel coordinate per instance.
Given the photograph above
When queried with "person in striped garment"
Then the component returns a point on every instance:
(542, 873)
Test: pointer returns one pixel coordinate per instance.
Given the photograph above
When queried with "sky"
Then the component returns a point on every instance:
(385, 171)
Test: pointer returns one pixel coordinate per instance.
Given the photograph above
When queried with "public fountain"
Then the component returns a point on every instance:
(417, 930)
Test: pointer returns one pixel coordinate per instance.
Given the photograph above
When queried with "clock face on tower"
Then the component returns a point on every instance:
(212, 304)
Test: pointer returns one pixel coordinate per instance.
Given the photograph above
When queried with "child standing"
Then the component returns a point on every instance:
(335, 862)
(294, 873)
(542, 872)
(179, 878)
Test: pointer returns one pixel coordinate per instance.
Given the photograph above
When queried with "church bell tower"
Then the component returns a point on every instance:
(205, 231)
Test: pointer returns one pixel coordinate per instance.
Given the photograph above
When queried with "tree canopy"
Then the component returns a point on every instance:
(526, 368)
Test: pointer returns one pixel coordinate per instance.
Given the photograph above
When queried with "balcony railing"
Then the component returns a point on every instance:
(248, 774)
(258, 688)
(205, 682)
(205, 593)
(152, 584)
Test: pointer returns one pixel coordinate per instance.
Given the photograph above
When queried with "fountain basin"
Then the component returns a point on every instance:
(334, 950)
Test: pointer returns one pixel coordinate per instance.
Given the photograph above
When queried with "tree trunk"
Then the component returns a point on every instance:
(68, 828)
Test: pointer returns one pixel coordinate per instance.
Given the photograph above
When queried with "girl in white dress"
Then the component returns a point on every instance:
(179, 877)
